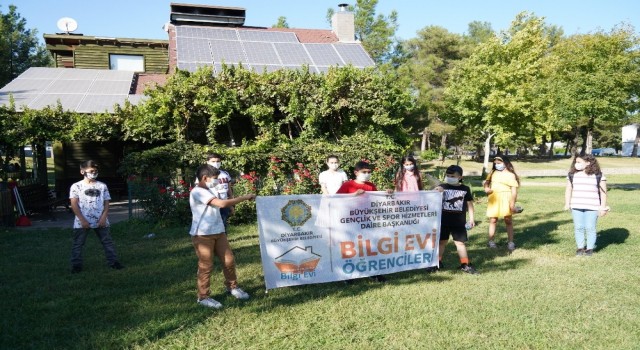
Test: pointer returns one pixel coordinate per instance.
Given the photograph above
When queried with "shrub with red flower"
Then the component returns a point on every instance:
(162, 202)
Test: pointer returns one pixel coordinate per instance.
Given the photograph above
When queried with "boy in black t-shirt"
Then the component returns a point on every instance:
(457, 200)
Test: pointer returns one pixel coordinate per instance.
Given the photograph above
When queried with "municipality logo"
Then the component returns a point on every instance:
(296, 212)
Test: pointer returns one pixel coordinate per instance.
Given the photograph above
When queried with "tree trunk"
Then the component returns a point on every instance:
(487, 150)
(551, 148)
(232, 141)
(40, 162)
(425, 137)
(589, 143)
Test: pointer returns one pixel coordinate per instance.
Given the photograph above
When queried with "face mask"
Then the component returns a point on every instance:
(213, 183)
(363, 177)
(409, 167)
(334, 166)
(451, 180)
(215, 164)
(91, 176)
(580, 166)
(500, 167)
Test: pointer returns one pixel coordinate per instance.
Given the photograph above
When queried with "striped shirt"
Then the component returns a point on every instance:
(585, 191)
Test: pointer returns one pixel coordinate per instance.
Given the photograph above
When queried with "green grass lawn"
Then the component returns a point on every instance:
(540, 297)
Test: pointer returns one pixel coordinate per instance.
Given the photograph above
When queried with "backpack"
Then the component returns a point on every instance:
(598, 178)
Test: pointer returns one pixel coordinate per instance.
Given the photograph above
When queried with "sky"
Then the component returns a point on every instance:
(143, 19)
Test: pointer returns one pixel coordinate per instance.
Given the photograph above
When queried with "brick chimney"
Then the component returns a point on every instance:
(342, 24)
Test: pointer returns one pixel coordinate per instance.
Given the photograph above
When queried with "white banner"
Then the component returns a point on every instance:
(308, 239)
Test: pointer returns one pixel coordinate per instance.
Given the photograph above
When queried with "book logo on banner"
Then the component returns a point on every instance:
(297, 263)
(296, 213)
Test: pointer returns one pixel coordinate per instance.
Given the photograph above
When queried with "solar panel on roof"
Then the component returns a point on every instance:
(265, 36)
(192, 66)
(194, 50)
(68, 101)
(79, 74)
(261, 68)
(354, 54)
(262, 53)
(294, 54)
(109, 88)
(69, 87)
(27, 85)
(324, 55)
(206, 33)
(227, 51)
(99, 103)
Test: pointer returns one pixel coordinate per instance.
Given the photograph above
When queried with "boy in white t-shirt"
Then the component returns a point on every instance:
(90, 203)
(208, 235)
(331, 179)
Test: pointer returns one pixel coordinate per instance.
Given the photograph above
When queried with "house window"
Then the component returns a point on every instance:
(126, 62)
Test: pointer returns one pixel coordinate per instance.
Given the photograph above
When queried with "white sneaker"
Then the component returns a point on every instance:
(238, 293)
(210, 303)
(511, 246)
(492, 244)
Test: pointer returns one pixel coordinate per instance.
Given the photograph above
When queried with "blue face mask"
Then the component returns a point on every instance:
(500, 167)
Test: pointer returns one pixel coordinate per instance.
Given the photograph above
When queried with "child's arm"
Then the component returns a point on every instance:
(514, 197)
(103, 218)
(76, 210)
(471, 210)
(567, 195)
(487, 187)
(225, 203)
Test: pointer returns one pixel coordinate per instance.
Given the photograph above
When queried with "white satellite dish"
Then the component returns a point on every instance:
(67, 24)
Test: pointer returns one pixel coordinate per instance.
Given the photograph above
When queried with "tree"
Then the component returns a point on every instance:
(377, 33)
(282, 23)
(19, 47)
(492, 92)
(430, 57)
(596, 80)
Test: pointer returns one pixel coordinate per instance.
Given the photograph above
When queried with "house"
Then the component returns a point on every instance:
(94, 73)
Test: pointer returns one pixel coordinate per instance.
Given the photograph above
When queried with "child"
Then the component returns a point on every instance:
(90, 203)
(331, 179)
(502, 187)
(457, 200)
(360, 185)
(408, 176)
(209, 238)
(586, 196)
(223, 188)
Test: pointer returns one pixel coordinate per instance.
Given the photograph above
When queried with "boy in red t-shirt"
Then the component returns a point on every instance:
(361, 184)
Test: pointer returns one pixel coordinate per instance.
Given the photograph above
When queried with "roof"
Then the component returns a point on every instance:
(264, 49)
(77, 39)
(78, 90)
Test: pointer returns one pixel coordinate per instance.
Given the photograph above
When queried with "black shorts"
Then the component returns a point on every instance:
(459, 233)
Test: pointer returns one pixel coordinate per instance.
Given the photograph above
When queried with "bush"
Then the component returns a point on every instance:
(165, 204)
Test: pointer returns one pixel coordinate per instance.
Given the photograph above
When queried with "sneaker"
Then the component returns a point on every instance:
(238, 293)
(511, 246)
(210, 303)
(116, 266)
(76, 269)
(580, 252)
(432, 269)
(468, 269)
(588, 252)
(492, 245)
(379, 278)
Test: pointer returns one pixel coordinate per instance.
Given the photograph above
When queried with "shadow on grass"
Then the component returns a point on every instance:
(611, 236)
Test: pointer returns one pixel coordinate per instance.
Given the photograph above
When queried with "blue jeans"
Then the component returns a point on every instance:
(80, 236)
(584, 222)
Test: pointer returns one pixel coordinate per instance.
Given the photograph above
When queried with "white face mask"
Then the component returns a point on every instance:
(500, 167)
(215, 164)
(91, 176)
(334, 166)
(580, 166)
(408, 167)
(213, 183)
(451, 180)
(363, 177)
